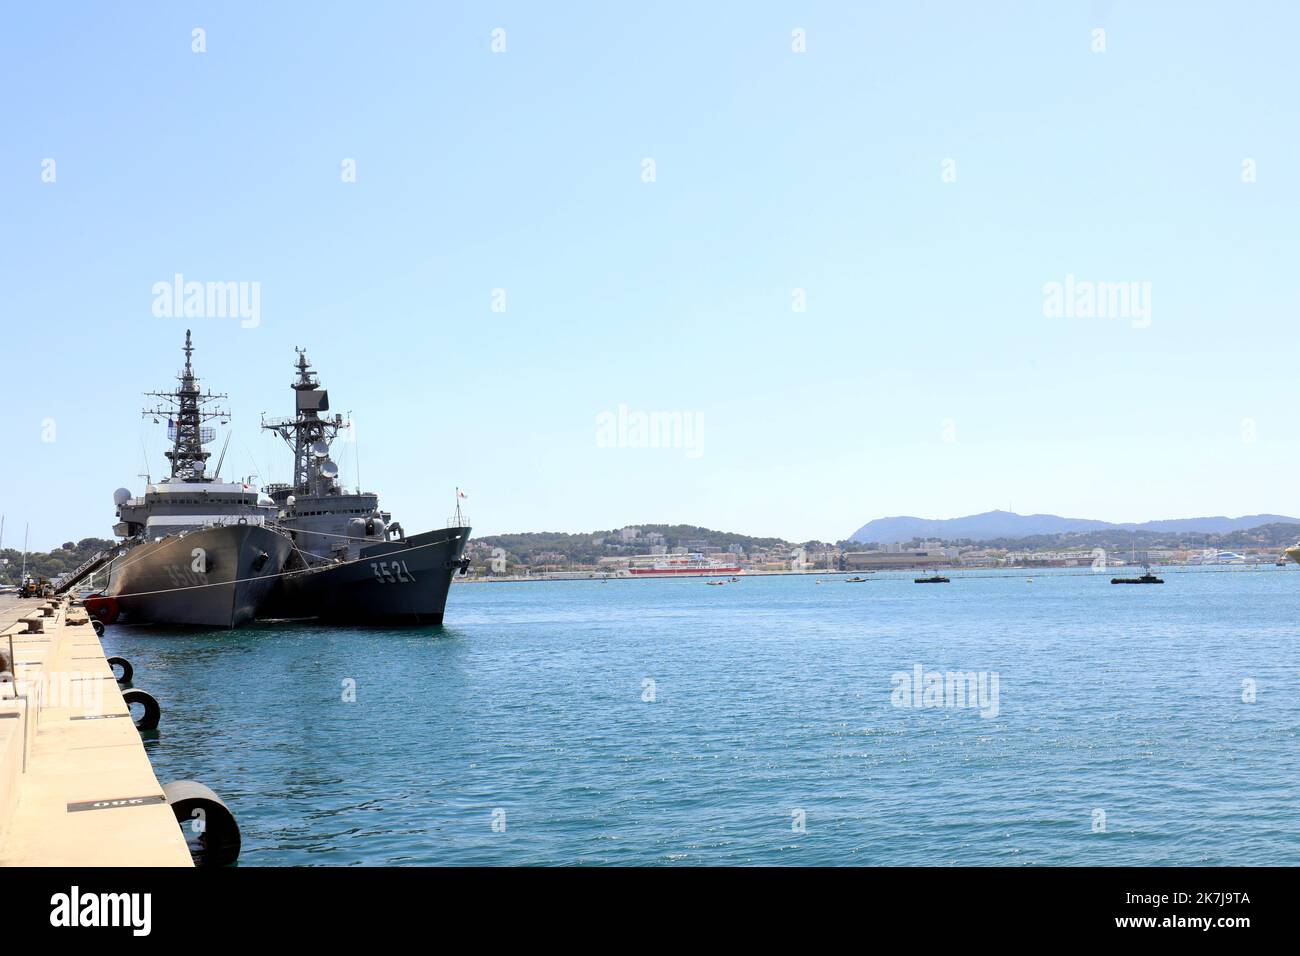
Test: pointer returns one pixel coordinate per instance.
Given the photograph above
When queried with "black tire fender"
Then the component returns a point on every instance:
(127, 670)
(152, 712)
(209, 828)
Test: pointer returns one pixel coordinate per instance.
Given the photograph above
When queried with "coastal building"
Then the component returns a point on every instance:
(982, 558)
(902, 558)
(1050, 559)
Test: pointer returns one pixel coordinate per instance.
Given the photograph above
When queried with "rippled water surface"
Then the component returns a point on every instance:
(771, 696)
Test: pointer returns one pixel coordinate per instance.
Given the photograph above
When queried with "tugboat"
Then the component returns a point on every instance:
(195, 550)
(351, 561)
(1146, 578)
(932, 579)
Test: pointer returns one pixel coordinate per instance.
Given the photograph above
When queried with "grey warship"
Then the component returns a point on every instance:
(195, 550)
(351, 562)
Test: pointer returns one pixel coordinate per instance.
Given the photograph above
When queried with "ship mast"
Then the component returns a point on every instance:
(186, 407)
(308, 434)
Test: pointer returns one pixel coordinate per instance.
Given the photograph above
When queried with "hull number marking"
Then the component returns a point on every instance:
(391, 572)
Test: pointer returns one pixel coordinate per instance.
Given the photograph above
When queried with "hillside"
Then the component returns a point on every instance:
(47, 564)
(588, 548)
(995, 525)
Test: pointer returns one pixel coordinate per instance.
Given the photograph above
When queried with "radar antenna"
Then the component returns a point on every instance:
(309, 433)
(186, 410)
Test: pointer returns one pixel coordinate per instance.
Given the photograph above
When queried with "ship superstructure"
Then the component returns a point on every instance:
(326, 520)
(195, 550)
(351, 560)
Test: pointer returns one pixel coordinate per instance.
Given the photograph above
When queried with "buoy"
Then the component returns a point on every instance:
(210, 829)
(103, 608)
(98, 625)
(152, 711)
(127, 672)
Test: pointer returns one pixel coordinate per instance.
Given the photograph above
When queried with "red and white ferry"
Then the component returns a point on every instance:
(678, 565)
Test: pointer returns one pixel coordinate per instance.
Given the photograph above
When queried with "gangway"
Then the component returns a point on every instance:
(85, 569)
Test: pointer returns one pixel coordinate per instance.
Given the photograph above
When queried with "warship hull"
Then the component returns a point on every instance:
(393, 582)
(169, 581)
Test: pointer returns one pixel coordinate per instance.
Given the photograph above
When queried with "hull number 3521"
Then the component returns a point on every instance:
(391, 572)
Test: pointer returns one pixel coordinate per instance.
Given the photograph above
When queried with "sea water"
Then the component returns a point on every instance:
(778, 720)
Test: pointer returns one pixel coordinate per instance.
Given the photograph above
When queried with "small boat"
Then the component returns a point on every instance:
(932, 579)
(856, 580)
(714, 583)
(1146, 578)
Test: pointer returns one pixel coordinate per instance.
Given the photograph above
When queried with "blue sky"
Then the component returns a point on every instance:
(923, 378)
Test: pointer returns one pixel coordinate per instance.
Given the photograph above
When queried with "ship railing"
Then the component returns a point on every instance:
(458, 521)
(226, 521)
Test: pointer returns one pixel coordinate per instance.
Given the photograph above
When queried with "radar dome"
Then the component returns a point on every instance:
(121, 496)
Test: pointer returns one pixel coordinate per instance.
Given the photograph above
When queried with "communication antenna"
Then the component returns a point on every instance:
(319, 449)
(356, 451)
(224, 446)
(329, 469)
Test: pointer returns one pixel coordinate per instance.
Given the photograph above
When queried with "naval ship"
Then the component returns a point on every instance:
(195, 550)
(351, 562)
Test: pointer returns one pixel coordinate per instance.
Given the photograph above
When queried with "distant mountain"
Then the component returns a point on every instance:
(1008, 524)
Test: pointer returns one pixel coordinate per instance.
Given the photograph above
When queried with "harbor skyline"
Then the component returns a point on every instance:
(835, 437)
(846, 301)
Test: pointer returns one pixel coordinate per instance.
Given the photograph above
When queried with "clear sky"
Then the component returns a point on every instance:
(924, 377)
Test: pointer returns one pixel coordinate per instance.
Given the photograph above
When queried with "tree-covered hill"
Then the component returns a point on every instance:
(47, 564)
(589, 547)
